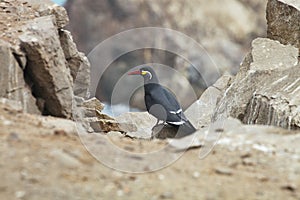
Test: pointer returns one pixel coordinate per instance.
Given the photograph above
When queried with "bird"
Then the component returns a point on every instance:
(162, 104)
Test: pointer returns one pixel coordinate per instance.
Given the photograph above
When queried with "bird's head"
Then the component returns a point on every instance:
(146, 72)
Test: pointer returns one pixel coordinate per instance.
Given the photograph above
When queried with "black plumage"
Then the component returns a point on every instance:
(162, 104)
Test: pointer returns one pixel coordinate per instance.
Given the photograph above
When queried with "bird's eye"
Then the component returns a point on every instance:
(148, 73)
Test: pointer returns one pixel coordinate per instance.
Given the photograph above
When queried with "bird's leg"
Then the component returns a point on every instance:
(153, 133)
(157, 122)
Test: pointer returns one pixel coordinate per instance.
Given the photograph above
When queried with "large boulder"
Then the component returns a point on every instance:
(267, 88)
(283, 17)
(41, 66)
(13, 85)
(46, 66)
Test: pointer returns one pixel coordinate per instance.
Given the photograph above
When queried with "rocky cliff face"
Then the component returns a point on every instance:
(39, 60)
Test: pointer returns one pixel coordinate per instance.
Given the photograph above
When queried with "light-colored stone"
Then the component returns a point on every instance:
(13, 85)
(271, 55)
(51, 77)
(224, 171)
(141, 124)
(93, 104)
(267, 88)
(77, 62)
(200, 113)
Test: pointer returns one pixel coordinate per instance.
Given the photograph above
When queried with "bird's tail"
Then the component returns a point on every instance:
(185, 129)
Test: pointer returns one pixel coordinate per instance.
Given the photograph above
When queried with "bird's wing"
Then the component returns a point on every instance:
(168, 101)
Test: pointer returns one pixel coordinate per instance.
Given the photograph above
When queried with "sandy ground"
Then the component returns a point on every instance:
(40, 162)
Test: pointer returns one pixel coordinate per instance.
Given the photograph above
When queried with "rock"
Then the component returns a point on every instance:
(200, 113)
(141, 124)
(249, 162)
(77, 62)
(115, 134)
(271, 55)
(167, 195)
(47, 7)
(93, 104)
(266, 90)
(11, 105)
(89, 113)
(196, 174)
(223, 171)
(36, 71)
(13, 85)
(283, 18)
(46, 66)
(20, 194)
(289, 186)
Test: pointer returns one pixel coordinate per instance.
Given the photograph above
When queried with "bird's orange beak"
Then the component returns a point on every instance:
(137, 72)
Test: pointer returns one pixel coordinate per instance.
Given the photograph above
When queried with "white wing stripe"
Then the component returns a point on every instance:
(177, 123)
(176, 112)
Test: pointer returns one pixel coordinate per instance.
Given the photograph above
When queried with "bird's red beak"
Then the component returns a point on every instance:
(137, 72)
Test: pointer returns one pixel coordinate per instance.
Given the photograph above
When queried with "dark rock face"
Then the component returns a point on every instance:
(39, 59)
(283, 18)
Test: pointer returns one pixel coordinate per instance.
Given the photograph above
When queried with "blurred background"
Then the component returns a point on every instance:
(224, 28)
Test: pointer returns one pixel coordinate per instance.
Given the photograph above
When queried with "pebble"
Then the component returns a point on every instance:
(196, 174)
(7, 122)
(289, 186)
(249, 161)
(166, 195)
(120, 193)
(223, 171)
(161, 177)
(262, 177)
(20, 194)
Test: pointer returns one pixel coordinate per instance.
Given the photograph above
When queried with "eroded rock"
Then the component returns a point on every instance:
(267, 88)
(13, 85)
(200, 113)
(37, 61)
(47, 67)
(283, 18)
(77, 62)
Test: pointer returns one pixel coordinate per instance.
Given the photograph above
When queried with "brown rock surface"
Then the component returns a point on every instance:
(37, 61)
(46, 66)
(283, 18)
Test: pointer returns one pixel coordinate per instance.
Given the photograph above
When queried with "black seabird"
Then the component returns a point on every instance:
(162, 104)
